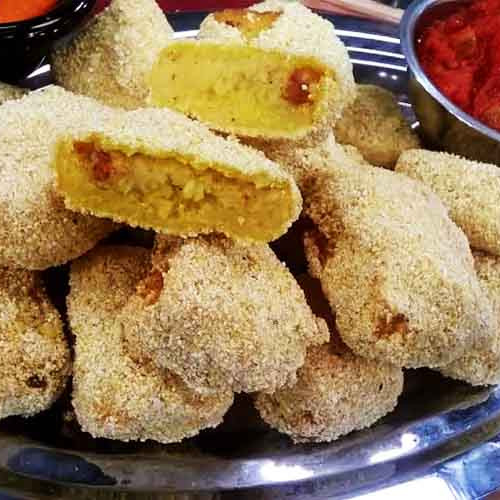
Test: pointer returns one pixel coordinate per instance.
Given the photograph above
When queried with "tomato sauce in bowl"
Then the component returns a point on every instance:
(460, 52)
(20, 10)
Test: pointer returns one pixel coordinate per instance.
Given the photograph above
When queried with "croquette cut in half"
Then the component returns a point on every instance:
(396, 269)
(336, 391)
(36, 229)
(482, 366)
(157, 169)
(113, 396)
(111, 58)
(220, 315)
(375, 125)
(274, 71)
(35, 356)
(470, 190)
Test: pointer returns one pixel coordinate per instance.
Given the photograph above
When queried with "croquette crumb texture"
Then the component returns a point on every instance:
(113, 396)
(35, 356)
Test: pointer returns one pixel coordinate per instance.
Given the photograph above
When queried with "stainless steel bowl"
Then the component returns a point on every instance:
(443, 125)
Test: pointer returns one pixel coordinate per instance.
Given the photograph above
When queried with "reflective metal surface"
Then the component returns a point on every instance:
(444, 125)
(437, 419)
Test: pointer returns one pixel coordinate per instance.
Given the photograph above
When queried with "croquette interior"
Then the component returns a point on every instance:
(241, 89)
(172, 194)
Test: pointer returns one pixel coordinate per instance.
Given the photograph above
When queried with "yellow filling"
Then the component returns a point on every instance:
(240, 89)
(173, 195)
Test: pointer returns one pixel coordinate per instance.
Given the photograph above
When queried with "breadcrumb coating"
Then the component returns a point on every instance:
(10, 92)
(220, 315)
(36, 230)
(35, 356)
(375, 125)
(336, 391)
(111, 58)
(397, 270)
(242, 193)
(291, 30)
(470, 190)
(113, 396)
(482, 366)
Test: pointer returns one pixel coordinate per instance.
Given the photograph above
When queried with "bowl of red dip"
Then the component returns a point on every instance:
(453, 54)
(29, 28)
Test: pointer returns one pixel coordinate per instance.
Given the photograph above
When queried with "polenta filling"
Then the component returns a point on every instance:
(172, 194)
(241, 89)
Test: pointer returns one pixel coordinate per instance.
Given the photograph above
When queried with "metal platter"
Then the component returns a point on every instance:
(436, 421)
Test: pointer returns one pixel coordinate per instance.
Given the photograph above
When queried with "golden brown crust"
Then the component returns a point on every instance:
(227, 316)
(482, 366)
(470, 190)
(394, 266)
(35, 356)
(375, 125)
(37, 231)
(296, 31)
(10, 92)
(336, 391)
(112, 57)
(113, 396)
(333, 396)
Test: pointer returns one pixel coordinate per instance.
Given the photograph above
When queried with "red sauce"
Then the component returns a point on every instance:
(460, 52)
(18, 10)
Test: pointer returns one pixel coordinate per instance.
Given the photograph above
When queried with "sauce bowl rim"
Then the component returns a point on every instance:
(408, 26)
(46, 21)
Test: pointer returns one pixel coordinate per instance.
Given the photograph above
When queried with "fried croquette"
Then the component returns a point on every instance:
(37, 231)
(482, 366)
(113, 396)
(157, 169)
(336, 391)
(397, 270)
(375, 125)
(274, 71)
(220, 315)
(35, 356)
(10, 92)
(112, 57)
(470, 190)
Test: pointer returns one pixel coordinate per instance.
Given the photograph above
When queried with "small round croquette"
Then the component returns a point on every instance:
(375, 125)
(481, 366)
(334, 395)
(35, 356)
(113, 396)
(220, 315)
(336, 391)
(36, 230)
(111, 58)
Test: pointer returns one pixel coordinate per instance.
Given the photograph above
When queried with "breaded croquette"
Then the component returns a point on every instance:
(220, 315)
(482, 366)
(374, 124)
(112, 57)
(35, 356)
(393, 265)
(336, 391)
(274, 71)
(10, 92)
(113, 396)
(157, 169)
(37, 231)
(470, 190)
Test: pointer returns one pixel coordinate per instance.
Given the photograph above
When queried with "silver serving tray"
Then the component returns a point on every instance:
(437, 419)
